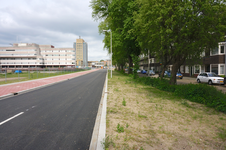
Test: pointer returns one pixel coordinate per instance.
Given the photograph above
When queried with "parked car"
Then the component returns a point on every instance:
(18, 71)
(151, 72)
(166, 74)
(143, 71)
(179, 75)
(138, 71)
(210, 78)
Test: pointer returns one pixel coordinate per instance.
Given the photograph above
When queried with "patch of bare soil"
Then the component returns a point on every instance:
(152, 119)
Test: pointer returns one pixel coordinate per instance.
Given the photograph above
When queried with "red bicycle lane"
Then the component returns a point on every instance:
(15, 88)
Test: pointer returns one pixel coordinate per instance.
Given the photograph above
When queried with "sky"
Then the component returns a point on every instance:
(51, 22)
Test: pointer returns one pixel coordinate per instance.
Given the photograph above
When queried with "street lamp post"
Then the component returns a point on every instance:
(0, 65)
(111, 48)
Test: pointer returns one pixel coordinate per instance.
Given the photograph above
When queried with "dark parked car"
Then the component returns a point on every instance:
(179, 75)
(166, 74)
(143, 71)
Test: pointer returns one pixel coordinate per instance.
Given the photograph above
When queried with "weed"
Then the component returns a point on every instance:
(107, 142)
(195, 117)
(113, 110)
(120, 128)
(127, 125)
(222, 133)
(124, 102)
(141, 116)
(107, 123)
(221, 118)
(116, 89)
(117, 138)
(185, 103)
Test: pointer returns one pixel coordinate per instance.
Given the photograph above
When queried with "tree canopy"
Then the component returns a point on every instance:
(180, 29)
(172, 30)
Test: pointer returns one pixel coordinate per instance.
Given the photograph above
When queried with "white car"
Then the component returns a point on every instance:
(210, 78)
(138, 71)
(151, 72)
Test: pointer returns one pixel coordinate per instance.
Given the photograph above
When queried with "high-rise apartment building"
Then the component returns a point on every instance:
(81, 52)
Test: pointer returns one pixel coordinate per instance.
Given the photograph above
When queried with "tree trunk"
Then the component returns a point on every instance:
(175, 68)
(176, 65)
(121, 66)
(163, 70)
(130, 65)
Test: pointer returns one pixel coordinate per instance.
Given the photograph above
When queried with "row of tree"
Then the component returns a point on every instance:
(171, 30)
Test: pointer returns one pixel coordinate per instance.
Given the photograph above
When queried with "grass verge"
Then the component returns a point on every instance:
(155, 119)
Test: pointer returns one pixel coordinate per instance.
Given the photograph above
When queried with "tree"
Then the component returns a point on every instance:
(117, 16)
(178, 30)
(122, 23)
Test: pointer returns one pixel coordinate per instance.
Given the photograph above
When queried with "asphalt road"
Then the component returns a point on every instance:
(61, 116)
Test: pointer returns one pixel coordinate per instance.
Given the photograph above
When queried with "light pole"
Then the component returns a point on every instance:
(111, 48)
(0, 65)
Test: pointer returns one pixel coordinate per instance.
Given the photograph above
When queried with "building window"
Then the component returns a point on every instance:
(221, 69)
(214, 69)
(182, 69)
(197, 69)
(186, 69)
(222, 49)
(215, 51)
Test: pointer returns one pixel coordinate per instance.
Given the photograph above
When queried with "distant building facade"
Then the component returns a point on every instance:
(25, 55)
(81, 53)
(57, 57)
(211, 61)
(107, 63)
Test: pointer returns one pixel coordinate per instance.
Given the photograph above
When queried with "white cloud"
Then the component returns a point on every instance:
(55, 22)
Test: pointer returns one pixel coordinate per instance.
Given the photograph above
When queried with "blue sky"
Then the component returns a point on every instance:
(55, 22)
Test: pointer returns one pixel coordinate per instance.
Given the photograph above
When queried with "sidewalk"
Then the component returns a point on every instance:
(15, 88)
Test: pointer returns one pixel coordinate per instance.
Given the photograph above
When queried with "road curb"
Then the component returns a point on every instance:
(99, 129)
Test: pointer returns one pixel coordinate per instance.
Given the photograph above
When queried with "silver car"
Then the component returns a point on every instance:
(151, 72)
(210, 78)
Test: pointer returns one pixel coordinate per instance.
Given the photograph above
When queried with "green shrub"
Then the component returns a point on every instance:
(204, 94)
(200, 93)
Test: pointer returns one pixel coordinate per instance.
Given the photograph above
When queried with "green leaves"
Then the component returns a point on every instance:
(179, 29)
(117, 16)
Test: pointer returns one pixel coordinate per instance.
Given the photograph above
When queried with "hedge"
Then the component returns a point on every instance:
(200, 93)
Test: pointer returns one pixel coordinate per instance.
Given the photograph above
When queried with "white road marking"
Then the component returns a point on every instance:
(11, 118)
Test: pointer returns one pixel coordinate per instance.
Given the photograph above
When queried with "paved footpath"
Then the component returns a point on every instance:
(14, 88)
